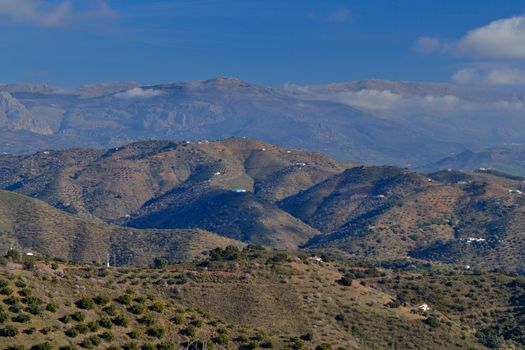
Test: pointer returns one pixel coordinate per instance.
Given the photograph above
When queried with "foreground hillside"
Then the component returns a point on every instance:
(253, 299)
(30, 225)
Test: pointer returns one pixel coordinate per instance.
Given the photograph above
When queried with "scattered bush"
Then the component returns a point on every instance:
(160, 263)
(124, 299)
(43, 346)
(101, 300)
(8, 331)
(52, 307)
(157, 307)
(85, 303)
(221, 339)
(91, 342)
(105, 322)
(120, 320)
(6, 291)
(78, 316)
(136, 309)
(65, 319)
(111, 310)
(21, 318)
(107, 336)
(156, 332)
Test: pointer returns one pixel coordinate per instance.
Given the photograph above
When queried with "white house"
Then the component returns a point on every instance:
(423, 307)
(316, 259)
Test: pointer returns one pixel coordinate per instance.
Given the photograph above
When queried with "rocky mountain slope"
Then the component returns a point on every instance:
(379, 122)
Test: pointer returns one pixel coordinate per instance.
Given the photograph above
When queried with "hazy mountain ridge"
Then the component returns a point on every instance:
(380, 122)
(510, 161)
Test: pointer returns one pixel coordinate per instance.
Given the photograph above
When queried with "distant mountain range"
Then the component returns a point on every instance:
(250, 191)
(376, 121)
(509, 161)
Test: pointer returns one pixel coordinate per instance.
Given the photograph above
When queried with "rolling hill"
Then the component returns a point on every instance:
(161, 184)
(30, 225)
(258, 193)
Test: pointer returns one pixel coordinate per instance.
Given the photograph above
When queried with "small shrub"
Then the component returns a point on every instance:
(160, 263)
(120, 320)
(11, 300)
(43, 346)
(67, 347)
(65, 319)
(101, 300)
(71, 333)
(34, 309)
(156, 332)
(6, 291)
(124, 299)
(105, 322)
(133, 335)
(188, 331)
(168, 345)
(157, 307)
(15, 347)
(130, 346)
(8, 331)
(82, 328)
(324, 346)
(52, 307)
(93, 326)
(432, 321)
(78, 316)
(111, 310)
(85, 304)
(21, 318)
(91, 342)
(107, 336)
(221, 339)
(136, 309)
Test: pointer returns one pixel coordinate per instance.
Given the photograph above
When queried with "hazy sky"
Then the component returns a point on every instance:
(74, 42)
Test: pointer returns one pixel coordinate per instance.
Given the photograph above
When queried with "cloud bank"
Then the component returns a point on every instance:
(495, 76)
(139, 93)
(46, 13)
(504, 38)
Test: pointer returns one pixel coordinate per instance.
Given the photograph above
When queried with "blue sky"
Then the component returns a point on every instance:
(75, 42)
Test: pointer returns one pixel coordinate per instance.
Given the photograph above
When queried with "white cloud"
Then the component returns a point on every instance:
(504, 38)
(47, 13)
(510, 76)
(427, 44)
(494, 76)
(139, 93)
(340, 15)
(465, 76)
